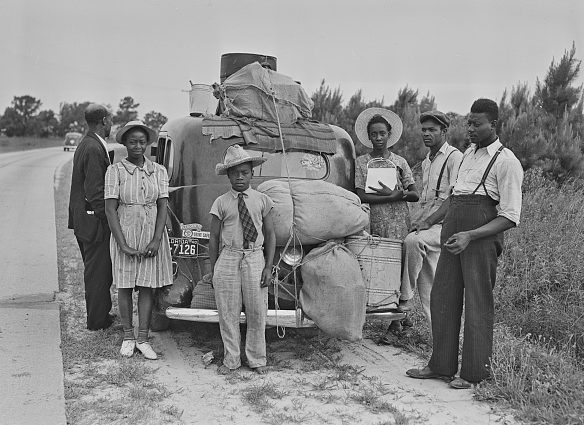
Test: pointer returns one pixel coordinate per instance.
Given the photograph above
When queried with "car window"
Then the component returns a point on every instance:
(301, 164)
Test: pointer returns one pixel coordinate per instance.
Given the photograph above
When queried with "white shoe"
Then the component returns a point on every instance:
(128, 346)
(146, 349)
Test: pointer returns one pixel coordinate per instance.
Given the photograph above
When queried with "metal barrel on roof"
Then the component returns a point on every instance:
(233, 62)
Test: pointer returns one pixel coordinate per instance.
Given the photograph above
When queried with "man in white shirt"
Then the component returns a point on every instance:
(422, 245)
(485, 202)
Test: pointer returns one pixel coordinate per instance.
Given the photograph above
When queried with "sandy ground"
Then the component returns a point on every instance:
(312, 380)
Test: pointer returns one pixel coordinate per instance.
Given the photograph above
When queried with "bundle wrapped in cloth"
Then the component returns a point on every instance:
(251, 92)
(319, 210)
(333, 293)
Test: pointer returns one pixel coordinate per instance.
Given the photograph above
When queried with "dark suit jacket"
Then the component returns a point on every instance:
(90, 163)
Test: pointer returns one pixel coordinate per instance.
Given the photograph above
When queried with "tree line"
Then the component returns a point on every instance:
(543, 127)
(25, 118)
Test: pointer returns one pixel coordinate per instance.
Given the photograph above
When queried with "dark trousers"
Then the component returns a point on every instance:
(469, 277)
(98, 280)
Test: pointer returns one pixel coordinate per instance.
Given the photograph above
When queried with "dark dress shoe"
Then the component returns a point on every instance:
(427, 373)
(108, 323)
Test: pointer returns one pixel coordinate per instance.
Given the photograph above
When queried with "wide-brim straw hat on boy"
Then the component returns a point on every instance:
(152, 135)
(391, 117)
(235, 155)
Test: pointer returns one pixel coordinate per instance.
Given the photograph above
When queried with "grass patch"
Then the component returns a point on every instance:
(258, 396)
(542, 383)
(13, 144)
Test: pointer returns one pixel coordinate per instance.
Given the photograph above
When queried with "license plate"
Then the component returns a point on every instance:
(184, 247)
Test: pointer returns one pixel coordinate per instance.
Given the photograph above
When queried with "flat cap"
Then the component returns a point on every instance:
(437, 116)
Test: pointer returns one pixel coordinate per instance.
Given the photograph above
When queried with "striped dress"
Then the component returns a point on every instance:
(137, 190)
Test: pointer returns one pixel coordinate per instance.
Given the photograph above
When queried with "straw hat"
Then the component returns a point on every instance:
(390, 116)
(235, 155)
(152, 135)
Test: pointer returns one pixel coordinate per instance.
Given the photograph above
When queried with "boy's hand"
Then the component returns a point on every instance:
(266, 277)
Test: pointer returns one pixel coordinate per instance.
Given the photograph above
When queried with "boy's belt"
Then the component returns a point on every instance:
(251, 249)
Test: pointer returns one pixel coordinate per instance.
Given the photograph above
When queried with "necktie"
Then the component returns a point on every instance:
(250, 233)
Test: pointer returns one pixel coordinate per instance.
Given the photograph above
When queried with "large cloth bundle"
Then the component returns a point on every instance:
(333, 293)
(249, 91)
(319, 210)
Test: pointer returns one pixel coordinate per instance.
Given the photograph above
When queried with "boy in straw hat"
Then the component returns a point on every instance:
(241, 250)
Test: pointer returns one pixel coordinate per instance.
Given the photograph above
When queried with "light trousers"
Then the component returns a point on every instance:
(420, 256)
(236, 279)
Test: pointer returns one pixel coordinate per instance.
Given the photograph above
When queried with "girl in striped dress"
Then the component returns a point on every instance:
(136, 197)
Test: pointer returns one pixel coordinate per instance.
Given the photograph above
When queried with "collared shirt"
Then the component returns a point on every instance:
(104, 143)
(133, 185)
(430, 200)
(431, 173)
(503, 183)
(225, 209)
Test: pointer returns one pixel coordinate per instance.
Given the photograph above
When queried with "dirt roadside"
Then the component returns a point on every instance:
(312, 380)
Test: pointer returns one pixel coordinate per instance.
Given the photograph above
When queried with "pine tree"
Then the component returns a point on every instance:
(557, 94)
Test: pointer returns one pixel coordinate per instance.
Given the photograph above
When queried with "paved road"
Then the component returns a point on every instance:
(31, 366)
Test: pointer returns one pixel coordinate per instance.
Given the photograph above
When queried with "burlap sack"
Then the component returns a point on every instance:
(333, 293)
(320, 210)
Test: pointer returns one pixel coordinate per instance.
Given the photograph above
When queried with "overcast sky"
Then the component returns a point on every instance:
(458, 50)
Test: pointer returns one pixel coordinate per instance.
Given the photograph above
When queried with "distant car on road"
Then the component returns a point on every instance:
(71, 140)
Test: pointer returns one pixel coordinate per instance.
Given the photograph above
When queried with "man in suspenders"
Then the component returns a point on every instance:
(485, 201)
(422, 245)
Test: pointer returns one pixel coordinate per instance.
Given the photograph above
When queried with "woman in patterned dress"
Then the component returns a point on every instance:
(380, 128)
(136, 197)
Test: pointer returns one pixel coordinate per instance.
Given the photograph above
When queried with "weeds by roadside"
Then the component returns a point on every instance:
(543, 383)
(538, 359)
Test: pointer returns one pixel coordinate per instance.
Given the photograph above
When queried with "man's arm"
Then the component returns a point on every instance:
(269, 248)
(436, 217)
(94, 168)
(459, 241)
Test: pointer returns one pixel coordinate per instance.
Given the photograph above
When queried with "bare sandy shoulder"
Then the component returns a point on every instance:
(312, 380)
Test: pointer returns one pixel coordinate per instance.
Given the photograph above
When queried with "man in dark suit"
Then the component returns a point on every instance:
(87, 215)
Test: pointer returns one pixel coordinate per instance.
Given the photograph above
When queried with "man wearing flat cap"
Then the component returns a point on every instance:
(422, 244)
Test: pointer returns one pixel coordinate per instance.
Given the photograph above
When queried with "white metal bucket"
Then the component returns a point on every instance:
(201, 100)
(380, 261)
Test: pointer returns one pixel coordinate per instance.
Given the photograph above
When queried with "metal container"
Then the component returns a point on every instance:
(201, 100)
(380, 261)
(233, 62)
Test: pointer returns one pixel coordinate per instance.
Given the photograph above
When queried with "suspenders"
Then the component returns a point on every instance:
(482, 183)
(437, 190)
